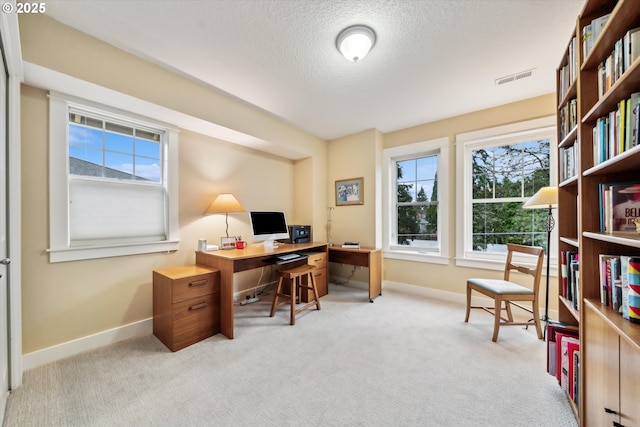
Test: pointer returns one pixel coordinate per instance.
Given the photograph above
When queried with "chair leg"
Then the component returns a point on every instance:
(536, 319)
(312, 280)
(507, 306)
(496, 320)
(466, 317)
(275, 297)
(294, 299)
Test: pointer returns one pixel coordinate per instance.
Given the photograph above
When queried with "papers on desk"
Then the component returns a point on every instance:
(352, 245)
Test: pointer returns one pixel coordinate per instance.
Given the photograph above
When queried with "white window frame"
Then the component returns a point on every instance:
(390, 156)
(60, 249)
(542, 128)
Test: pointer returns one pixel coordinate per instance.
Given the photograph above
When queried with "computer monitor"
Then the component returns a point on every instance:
(268, 226)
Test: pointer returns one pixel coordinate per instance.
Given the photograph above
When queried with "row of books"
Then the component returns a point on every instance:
(620, 284)
(569, 161)
(591, 32)
(568, 72)
(568, 117)
(570, 277)
(626, 50)
(618, 131)
(563, 357)
(619, 207)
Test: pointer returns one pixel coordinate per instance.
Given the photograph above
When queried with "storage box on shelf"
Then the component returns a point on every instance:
(608, 81)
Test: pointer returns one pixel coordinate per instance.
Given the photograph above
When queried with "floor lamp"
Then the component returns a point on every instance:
(545, 198)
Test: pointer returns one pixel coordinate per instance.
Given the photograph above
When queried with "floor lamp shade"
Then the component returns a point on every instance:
(545, 198)
(225, 203)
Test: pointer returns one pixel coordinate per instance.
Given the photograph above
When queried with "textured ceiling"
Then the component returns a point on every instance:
(433, 59)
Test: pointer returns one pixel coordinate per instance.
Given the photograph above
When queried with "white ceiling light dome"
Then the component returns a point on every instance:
(355, 42)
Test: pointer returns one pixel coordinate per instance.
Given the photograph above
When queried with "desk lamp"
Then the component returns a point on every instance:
(225, 203)
(545, 198)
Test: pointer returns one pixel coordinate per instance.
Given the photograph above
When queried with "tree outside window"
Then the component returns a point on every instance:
(417, 202)
(503, 178)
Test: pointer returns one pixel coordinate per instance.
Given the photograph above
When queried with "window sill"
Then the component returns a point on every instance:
(427, 257)
(95, 252)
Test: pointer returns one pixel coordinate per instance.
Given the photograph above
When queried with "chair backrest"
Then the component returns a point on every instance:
(536, 272)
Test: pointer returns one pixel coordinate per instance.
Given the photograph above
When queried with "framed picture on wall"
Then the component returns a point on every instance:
(350, 192)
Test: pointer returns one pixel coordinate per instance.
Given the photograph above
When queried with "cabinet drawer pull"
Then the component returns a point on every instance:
(317, 260)
(318, 275)
(609, 411)
(616, 424)
(199, 282)
(198, 306)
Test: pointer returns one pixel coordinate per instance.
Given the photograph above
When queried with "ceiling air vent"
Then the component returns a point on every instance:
(514, 77)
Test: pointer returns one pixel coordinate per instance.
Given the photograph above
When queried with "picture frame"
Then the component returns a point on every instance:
(227, 243)
(350, 192)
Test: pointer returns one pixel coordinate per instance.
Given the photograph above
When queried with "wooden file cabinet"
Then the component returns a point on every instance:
(186, 305)
(319, 261)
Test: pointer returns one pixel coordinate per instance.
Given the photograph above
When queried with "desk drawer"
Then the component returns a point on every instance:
(317, 259)
(195, 320)
(193, 287)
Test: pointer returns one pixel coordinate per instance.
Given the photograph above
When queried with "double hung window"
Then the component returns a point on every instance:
(501, 169)
(415, 190)
(110, 182)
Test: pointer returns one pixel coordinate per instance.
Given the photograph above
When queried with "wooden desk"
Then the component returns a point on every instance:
(363, 257)
(236, 260)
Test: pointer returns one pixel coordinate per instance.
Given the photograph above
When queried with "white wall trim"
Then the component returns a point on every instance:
(90, 342)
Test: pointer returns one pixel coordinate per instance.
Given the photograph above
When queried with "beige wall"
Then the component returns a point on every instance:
(67, 301)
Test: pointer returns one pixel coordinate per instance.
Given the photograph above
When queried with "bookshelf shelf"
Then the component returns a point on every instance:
(570, 139)
(570, 182)
(568, 305)
(620, 163)
(570, 241)
(604, 334)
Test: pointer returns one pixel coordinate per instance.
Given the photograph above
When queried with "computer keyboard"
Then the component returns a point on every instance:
(286, 257)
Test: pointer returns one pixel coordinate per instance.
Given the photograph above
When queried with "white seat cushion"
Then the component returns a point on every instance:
(501, 287)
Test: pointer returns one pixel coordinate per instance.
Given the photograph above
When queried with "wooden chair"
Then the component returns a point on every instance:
(508, 292)
(294, 278)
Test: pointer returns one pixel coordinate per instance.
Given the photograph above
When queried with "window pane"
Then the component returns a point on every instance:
(495, 224)
(147, 169)
(147, 149)
(418, 226)
(426, 168)
(117, 142)
(118, 166)
(80, 135)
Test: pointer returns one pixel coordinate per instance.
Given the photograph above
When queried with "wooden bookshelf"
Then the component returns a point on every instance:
(609, 344)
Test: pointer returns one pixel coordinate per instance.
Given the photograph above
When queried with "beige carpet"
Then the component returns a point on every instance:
(401, 361)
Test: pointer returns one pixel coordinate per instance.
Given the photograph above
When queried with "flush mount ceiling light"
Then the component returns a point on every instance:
(355, 42)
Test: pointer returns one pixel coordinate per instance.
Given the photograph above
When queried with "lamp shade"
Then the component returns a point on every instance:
(224, 203)
(355, 42)
(545, 198)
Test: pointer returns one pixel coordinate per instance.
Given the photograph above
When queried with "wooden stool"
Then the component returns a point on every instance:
(294, 276)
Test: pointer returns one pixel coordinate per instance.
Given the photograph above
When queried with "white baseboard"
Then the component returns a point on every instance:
(91, 342)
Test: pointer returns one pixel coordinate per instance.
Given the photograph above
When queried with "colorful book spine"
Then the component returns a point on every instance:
(634, 289)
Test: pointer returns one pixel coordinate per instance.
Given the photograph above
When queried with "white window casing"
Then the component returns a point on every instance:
(391, 156)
